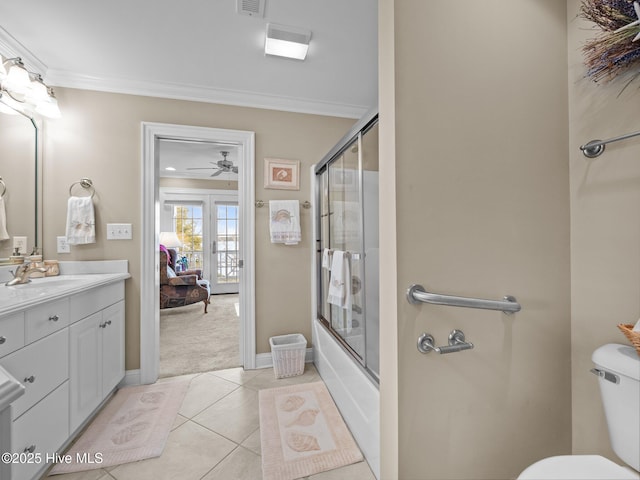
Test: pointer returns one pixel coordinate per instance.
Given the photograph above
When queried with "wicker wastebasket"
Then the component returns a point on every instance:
(288, 352)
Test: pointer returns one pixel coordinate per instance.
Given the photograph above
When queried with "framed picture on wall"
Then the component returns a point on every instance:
(281, 174)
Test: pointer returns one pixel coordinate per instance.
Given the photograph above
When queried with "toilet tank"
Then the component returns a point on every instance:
(618, 368)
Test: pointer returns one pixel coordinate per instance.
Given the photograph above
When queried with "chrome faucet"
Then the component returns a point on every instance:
(23, 272)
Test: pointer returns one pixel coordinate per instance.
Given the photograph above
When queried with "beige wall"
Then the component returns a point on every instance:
(605, 230)
(482, 210)
(198, 183)
(99, 136)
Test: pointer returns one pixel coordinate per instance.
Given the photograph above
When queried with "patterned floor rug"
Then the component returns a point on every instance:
(302, 432)
(134, 425)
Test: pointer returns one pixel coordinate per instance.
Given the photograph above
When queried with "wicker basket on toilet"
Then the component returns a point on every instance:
(634, 337)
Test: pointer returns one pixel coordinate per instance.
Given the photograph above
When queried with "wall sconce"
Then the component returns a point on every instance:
(25, 92)
(285, 41)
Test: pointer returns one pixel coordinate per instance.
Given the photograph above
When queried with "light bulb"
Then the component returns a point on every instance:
(17, 80)
(49, 108)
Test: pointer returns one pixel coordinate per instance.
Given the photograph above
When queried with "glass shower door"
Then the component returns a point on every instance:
(347, 227)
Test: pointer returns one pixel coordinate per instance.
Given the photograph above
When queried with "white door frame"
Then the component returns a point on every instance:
(150, 221)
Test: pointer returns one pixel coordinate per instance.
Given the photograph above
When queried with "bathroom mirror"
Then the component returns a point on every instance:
(20, 170)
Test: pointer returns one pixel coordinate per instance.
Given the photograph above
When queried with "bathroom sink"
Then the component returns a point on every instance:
(48, 284)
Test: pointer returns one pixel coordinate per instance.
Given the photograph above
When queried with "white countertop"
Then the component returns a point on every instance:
(72, 280)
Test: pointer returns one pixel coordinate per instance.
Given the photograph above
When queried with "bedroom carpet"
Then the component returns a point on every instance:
(192, 341)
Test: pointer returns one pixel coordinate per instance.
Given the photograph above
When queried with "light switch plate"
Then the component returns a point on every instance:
(119, 231)
(63, 246)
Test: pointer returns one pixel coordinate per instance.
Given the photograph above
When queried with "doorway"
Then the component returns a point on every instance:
(205, 223)
(244, 142)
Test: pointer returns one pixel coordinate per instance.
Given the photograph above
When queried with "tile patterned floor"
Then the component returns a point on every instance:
(216, 435)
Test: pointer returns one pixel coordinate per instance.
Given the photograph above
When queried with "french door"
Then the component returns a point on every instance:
(207, 225)
(224, 247)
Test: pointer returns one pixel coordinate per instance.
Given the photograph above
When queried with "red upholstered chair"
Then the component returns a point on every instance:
(182, 288)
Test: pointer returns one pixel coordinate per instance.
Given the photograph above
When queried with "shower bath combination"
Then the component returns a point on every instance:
(345, 293)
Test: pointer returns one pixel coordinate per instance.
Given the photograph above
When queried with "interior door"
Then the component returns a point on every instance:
(225, 246)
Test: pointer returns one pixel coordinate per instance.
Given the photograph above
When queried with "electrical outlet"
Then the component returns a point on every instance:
(119, 231)
(63, 246)
(21, 244)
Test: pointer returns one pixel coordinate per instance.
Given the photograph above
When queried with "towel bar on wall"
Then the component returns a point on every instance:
(305, 204)
(417, 294)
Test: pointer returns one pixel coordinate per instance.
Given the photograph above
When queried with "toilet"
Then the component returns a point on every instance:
(618, 370)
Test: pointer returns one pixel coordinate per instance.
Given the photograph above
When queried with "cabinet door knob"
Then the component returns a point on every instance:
(30, 379)
(29, 449)
(108, 322)
(54, 318)
(3, 339)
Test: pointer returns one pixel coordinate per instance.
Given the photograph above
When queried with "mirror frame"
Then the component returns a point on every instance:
(38, 182)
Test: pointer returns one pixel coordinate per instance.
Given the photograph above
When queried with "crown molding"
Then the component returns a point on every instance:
(202, 94)
(10, 48)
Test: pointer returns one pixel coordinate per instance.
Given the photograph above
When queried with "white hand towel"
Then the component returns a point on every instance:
(284, 224)
(81, 224)
(340, 282)
(4, 235)
(326, 259)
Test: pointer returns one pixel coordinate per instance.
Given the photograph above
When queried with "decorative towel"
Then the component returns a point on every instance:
(284, 225)
(326, 259)
(340, 283)
(81, 224)
(4, 235)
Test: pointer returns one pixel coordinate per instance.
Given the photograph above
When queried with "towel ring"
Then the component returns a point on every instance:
(85, 183)
(4, 187)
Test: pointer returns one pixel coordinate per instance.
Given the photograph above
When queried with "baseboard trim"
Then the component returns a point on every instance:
(265, 360)
(131, 377)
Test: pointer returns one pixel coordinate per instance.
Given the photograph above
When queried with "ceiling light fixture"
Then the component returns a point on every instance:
(286, 41)
(24, 91)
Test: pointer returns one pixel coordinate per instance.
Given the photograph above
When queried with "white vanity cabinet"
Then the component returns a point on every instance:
(68, 353)
(96, 349)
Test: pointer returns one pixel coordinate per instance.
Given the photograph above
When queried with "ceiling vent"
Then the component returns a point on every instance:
(253, 8)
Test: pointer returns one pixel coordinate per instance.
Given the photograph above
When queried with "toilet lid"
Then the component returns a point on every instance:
(574, 467)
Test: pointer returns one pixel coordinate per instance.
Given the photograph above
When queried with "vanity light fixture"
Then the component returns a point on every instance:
(25, 92)
(286, 41)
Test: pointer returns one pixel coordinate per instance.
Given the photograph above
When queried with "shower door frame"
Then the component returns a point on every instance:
(320, 169)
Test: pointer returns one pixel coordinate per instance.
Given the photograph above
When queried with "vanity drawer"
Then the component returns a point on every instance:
(40, 367)
(44, 428)
(45, 319)
(85, 303)
(11, 333)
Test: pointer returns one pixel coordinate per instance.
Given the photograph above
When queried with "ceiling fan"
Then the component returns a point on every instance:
(221, 166)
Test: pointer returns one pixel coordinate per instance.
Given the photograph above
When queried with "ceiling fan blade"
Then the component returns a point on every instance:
(215, 174)
(200, 168)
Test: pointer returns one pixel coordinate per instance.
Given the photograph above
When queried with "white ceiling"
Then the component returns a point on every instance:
(201, 50)
(185, 155)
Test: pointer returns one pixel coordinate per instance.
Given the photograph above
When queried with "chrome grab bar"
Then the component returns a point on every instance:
(456, 343)
(595, 147)
(417, 294)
